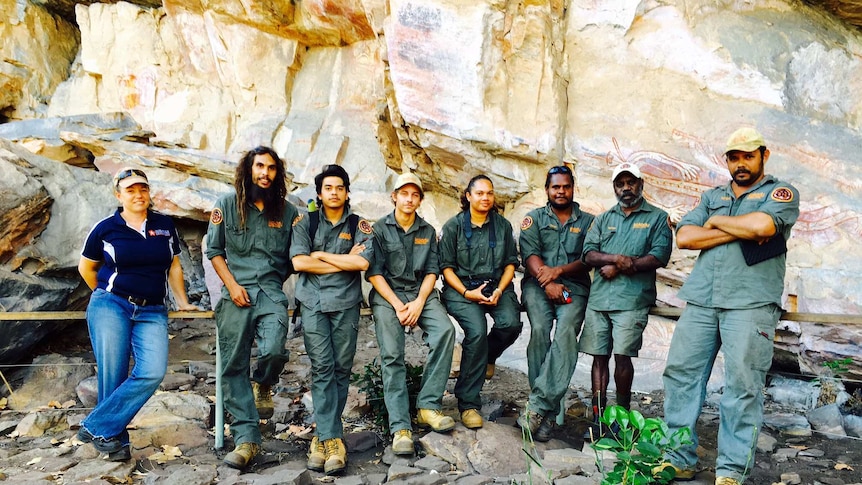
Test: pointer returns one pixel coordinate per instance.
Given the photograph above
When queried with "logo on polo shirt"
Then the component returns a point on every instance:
(158, 232)
(640, 225)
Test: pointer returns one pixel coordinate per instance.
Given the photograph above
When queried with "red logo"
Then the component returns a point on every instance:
(782, 194)
(216, 217)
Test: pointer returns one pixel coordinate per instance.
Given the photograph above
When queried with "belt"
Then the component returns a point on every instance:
(134, 300)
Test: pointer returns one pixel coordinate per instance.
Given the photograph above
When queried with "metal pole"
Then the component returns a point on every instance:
(219, 404)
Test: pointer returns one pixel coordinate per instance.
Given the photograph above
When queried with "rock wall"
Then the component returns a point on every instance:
(448, 89)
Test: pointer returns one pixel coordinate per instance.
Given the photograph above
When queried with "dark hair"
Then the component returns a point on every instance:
(465, 204)
(559, 169)
(762, 152)
(273, 208)
(331, 171)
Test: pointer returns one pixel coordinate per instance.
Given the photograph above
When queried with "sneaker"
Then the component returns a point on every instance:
(726, 481)
(434, 419)
(530, 421)
(124, 454)
(681, 475)
(489, 371)
(242, 455)
(263, 400)
(402, 443)
(316, 455)
(471, 419)
(543, 432)
(103, 445)
(336, 456)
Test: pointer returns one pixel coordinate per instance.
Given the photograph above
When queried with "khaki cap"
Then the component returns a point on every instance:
(744, 139)
(407, 178)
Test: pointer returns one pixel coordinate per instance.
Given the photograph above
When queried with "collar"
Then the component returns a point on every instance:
(576, 212)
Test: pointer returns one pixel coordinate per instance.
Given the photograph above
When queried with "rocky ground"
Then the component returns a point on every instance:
(173, 441)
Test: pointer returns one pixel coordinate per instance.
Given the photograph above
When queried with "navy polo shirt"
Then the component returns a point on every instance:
(134, 264)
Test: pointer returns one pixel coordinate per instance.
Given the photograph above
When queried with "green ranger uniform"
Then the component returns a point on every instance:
(735, 307)
(619, 307)
(329, 305)
(550, 365)
(404, 259)
(257, 257)
(477, 263)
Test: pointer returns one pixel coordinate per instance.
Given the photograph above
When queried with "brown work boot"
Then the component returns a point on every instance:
(434, 419)
(681, 474)
(530, 420)
(489, 371)
(336, 456)
(242, 455)
(316, 455)
(471, 419)
(263, 400)
(726, 481)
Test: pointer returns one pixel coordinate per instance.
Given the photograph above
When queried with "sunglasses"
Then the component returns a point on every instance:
(560, 169)
(128, 173)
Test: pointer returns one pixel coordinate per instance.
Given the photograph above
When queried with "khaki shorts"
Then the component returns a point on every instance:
(620, 331)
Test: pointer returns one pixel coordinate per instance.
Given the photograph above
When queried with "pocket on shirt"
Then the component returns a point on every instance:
(396, 257)
(277, 238)
(238, 240)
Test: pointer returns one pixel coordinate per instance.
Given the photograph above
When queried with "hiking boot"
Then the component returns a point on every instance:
(124, 454)
(531, 421)
(102, 445)
(316, 455)
(683, 475)
(434, 419)
(263, 400)
(489, 371)
(471, 419)
(402, 443)
(242, 455)
(726, 481)
(543, 432)
(336, 456)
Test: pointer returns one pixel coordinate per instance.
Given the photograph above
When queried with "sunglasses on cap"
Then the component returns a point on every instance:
(560, 169)
(128, 173)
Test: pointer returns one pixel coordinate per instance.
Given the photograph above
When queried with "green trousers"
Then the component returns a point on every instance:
(265, 321)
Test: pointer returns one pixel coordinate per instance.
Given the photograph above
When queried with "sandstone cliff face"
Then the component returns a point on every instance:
(447, 89)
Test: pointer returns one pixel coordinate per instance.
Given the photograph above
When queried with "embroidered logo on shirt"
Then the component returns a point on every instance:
(216, 217)
(276, 224)
(756, 196)
(345, 235)
(364, 226)
(420, 240)
(158, 232)
(296, 220)
(640, 225)
(782, 194)
(576, 230)
(526, 223)
(724, 197)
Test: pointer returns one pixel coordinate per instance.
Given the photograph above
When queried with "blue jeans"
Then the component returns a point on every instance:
(120, 330)
(746, 340)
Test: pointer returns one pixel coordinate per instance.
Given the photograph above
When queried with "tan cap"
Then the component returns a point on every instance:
(745, 139)
(626, 167)
(128, 176)
(408, 178)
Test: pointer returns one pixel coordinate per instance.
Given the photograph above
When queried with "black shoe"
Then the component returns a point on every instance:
(595, 431)
(125, 454)
(543, 433)
(103, 445)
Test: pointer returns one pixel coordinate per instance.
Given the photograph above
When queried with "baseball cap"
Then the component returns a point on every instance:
(626, 167)
(744, 139)
(129, 176)
(408, 178)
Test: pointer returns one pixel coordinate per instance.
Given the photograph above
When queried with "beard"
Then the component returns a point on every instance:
(752, 177)
(629, 199)
(559, 206)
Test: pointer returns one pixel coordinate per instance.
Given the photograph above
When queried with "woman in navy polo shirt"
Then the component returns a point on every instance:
(127, 259)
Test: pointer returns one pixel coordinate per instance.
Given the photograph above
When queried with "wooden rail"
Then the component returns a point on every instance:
(668, 312)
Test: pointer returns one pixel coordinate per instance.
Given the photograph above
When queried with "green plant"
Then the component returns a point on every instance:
(532, 456)
(838, 366)
(639, 445)
(370, 381)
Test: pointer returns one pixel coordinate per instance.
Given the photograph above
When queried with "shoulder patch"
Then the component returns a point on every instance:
(782, 194)
(216, 217)
(364, 226)
(296, 220)
(526, 223)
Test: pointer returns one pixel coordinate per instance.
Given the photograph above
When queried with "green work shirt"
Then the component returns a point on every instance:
(557, 244)
(720, 278)
(644, 232)
(402, 257)
(335, 291)
(480, 261)
(257, 254)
